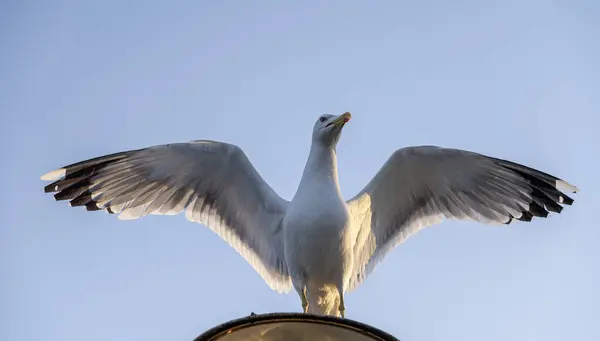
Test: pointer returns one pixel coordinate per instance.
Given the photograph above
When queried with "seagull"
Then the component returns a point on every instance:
(318, 243)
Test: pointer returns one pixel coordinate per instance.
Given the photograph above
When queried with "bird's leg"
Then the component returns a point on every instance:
(341, 307)
(304, 300)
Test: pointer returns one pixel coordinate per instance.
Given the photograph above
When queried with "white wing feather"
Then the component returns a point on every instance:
(421, 186)
(213, 182)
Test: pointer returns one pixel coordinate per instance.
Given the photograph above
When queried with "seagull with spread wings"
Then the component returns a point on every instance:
(318, 243)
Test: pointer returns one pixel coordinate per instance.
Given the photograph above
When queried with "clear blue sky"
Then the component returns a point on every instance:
(514, 79)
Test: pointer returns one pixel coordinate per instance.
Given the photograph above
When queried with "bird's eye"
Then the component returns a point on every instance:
(322, 119)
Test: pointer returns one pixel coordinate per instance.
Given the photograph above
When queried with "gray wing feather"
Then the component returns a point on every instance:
(213, 182)
(421, 186)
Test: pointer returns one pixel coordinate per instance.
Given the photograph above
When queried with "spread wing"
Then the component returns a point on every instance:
(213, 182)
(421, 186)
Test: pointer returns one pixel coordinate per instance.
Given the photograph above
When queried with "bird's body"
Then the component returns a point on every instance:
(318, 243)
(317, 227)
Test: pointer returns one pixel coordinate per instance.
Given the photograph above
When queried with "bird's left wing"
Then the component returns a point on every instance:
(421, 186)
(213, 182)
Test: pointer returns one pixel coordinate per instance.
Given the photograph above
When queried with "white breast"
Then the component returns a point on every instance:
(315, 230)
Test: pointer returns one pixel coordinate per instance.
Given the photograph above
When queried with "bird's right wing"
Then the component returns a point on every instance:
(213, 182)
(421, 186)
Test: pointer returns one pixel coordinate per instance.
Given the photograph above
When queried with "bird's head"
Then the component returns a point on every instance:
(328, 128)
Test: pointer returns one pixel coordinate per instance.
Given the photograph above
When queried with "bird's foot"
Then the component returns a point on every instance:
(304, 301)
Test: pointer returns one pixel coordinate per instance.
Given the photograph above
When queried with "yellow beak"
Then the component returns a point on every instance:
(342, 119)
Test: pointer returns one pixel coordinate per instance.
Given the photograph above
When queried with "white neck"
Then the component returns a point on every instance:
(320, 169)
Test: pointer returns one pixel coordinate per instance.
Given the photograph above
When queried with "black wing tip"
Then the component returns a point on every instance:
(525, 216)
(85, 200)
(538, 210)
(556, 208)
(72, 182)
(546, 196)
(51, 188)
(91, 206)
(82, 200)
(566, 200)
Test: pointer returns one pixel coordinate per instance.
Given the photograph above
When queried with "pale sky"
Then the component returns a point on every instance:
(513, 79)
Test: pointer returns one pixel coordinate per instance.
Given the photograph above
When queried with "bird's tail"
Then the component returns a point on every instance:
(325, 301)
